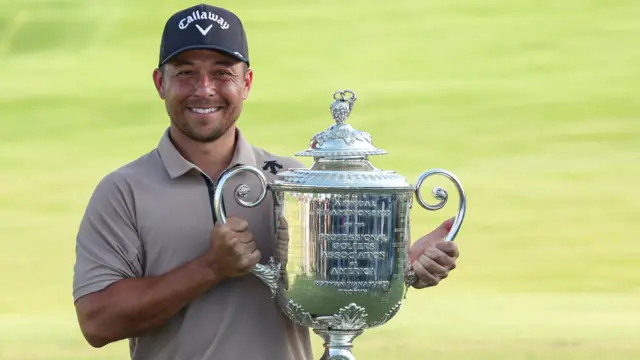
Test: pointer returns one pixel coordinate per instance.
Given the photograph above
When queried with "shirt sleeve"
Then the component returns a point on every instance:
(108, 247)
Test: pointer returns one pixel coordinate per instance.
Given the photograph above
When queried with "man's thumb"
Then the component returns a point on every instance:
(443, 230)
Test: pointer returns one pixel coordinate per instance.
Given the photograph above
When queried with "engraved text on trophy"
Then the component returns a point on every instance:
(355, 242)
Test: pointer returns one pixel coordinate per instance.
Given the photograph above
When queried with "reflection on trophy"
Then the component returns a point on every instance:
(341, 263)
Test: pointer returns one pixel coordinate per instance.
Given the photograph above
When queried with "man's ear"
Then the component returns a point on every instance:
(248, 81)
(158, 78)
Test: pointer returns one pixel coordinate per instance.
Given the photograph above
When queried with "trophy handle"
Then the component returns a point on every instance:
(440, 194)
(267, 273)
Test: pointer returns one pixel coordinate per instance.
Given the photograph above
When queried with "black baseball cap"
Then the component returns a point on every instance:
(204, 27)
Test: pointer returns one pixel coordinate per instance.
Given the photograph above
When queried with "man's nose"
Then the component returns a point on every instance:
(205, 87)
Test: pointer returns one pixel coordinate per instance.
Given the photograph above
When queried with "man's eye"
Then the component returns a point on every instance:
(222, 73)
(184, 73)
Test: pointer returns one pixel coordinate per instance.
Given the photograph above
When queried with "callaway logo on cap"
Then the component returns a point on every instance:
(204, 27)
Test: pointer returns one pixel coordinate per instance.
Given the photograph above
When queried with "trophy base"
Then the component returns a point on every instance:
(338, 343)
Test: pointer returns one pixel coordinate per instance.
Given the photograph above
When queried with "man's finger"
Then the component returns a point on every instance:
(237, 224)
(449, 248)
(441, 258)
(425, 278)
(255, 256)
(245, 237)
(249, 261)
(436, 270)
(243, 248)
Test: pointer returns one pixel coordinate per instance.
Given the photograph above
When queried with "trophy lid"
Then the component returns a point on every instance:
(341, 158)
(341, 140)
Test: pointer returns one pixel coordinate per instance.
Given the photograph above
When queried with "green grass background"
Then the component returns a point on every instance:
(534, 105)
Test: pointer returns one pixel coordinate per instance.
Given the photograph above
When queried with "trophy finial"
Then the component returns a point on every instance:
(340, 140)
(343, 105)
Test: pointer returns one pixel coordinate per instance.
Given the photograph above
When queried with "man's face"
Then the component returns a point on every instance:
(203, 92)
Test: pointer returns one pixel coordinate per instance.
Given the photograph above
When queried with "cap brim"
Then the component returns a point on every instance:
(204, 47)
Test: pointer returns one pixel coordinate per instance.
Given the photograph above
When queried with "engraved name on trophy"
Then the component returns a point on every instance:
(345, 267)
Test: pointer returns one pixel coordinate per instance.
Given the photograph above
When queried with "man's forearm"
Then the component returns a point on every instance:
(131, 307)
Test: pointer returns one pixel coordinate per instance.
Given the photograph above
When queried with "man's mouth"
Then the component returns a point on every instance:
(199, 110)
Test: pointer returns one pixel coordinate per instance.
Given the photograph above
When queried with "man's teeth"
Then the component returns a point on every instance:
(204, 110)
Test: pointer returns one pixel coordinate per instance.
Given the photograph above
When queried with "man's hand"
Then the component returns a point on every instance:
(432, 258)
(134, 306)
(233, 252)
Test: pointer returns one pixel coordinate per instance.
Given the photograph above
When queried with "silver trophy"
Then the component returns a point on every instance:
(345, 265)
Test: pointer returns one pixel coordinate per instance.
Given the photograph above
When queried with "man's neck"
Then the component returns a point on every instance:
(212, 158)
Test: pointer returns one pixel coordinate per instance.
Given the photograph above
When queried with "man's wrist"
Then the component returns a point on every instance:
(206, 270)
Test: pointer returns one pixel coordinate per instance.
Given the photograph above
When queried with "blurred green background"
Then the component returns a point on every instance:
(534, 105)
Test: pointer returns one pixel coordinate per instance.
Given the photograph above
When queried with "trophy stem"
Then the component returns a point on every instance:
(338, 343)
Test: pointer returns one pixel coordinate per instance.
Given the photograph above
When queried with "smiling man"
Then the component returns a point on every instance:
(153, 264)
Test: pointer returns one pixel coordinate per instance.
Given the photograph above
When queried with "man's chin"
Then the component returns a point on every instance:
(203, 130)
(207, 137)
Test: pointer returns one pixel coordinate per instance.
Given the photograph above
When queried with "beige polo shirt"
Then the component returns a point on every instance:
(155, 214)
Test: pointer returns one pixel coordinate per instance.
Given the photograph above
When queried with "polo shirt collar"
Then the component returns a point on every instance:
(176, 165)
(243, 154)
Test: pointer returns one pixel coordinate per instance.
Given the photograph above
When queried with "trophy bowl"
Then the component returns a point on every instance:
(343, 266)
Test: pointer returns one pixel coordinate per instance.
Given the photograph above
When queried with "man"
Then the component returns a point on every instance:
(153, 264)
